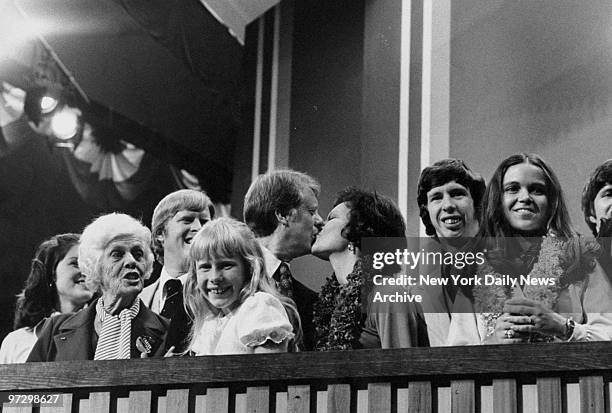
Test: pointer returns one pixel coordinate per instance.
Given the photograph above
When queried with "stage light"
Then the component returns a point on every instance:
(66, 123)
(41, 102)
(48, 104)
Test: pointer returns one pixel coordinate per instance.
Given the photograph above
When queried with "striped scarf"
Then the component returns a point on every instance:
(114, 341)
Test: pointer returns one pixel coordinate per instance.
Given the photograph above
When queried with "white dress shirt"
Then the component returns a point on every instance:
(271, 261)
(159, 299)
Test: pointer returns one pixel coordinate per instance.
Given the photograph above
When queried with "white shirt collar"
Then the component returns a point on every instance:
(160, 294)
(271, 261)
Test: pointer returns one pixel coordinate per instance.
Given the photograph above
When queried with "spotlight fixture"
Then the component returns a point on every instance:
(66, 123)
(41, 102)
(48, 104)
(51, 115)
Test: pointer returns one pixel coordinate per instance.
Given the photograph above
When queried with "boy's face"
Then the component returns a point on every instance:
(179, 232)
(602, 205)
(451, 211)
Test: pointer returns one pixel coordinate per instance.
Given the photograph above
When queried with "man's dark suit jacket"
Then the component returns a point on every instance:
(304, 299)
(180, 323)
(73, 337)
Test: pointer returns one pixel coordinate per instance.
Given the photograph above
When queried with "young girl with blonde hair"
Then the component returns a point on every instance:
(235, 307)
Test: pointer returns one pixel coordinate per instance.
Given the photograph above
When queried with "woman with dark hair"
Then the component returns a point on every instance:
(55, 285)
(498, 224)
(560, 291)
(344, 316)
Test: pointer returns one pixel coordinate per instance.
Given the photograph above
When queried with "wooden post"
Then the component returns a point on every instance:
(463, 399)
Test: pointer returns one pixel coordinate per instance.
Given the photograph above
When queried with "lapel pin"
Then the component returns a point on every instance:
(144, 346)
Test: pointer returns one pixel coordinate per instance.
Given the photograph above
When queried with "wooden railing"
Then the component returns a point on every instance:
(555, 378)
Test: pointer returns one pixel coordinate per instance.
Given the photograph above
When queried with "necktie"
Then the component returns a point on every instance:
(284, 280)
(114, 341)
(174, 298)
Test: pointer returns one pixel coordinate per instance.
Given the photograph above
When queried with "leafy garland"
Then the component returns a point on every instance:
(338, 315)
(557, 259)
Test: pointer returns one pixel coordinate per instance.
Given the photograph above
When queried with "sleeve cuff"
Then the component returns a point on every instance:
(259, 337)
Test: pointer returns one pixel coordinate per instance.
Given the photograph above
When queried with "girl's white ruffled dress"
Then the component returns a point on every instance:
(260, 318)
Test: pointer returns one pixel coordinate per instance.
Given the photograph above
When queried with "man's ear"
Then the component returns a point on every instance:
(283, 219)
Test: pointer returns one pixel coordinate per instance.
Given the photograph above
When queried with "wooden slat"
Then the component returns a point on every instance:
(443, 399)
(161, 404)
(549, 394)
(402, 399)
(332, 365)
(123, 405)
(177, 401)
(379, 397)
(592, 394)
(140, 401)
(258, 399)
(66, 406)
(338, 398)
(84, 406)
(217, 400)
(419, 397)
(17, 409)
(529, 398)
(505, 396)
(280, 399)
(99, 402)
(463, 398)
(320, 404)
(484, 398)
(298, 399)
(239, 402)
(200, 403)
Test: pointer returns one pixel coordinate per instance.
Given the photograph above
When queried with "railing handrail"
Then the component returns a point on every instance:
(561, 359)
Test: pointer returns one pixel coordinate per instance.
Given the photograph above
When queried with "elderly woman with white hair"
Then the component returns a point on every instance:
(115, 257)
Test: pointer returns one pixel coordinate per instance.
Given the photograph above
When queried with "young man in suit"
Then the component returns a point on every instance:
(176, 220)
(449, 198)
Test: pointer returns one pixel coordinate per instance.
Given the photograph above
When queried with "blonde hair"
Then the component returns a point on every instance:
(169, 206)
(227, 237)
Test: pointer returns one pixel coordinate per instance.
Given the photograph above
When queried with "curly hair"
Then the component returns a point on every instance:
(601, 176)
(276, 191)
(96, 237)
(169, 206)
(440, 173)
(493, 221)
(226, 237)
(39, 297)
(371, 215)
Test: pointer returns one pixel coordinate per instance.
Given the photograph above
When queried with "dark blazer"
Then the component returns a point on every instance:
(73, 337)
(304, 299)
(180, 322)
(178, 331)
